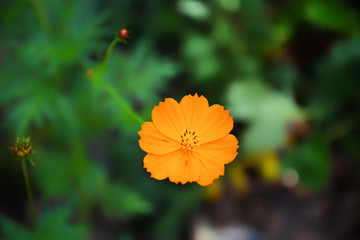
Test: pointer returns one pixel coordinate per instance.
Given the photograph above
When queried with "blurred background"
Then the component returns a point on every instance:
(288, 71)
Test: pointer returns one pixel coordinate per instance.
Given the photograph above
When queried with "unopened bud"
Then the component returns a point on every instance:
(22, 147)
(123, 33)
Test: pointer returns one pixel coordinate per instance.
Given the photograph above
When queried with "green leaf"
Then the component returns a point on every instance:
(263, 135)
(13, 231)
(122, 201)
(38, 106)
(54, 174)
(92, 181)
(312, 161)
(54, 224)
(140, 74)
(179, 202)
(75, 25)
(253, 100)
(267, 111)
(31, 161)
(333, 15)
(200, 52)
(255, 22)
(245, 98)
(194, 9)
(136, 77)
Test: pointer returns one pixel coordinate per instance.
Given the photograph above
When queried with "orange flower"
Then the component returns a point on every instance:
(188, 141)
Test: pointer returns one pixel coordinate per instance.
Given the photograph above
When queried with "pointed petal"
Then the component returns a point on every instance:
(223, 150)
(184, 169)
(207, 179)
(213, 156)
(209, 170)
(217, 125)
(196, 110)
(168, 118)
(177, 169)
(159, 165)
(188, 169)
(177, 166)
(153, 141)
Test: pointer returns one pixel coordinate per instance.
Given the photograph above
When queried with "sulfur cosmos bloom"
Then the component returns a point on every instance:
(188, 141)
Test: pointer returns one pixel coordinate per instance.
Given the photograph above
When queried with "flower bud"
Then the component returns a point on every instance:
(123, 33)
(22, 147)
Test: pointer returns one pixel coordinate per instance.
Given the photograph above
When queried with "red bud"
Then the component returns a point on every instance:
(123, 33)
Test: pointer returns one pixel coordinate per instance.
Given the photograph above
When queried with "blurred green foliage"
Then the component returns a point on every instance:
(53, 224)
(272, 63)
(311, 160)
(268, 111)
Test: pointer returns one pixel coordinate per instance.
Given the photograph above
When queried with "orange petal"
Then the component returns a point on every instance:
(168, 118)
(207, 176)
(207, 179)
(184, 169)
(153, 141)
(177, 166)
(159, 165)
(213, 156)
(210, 164)
(223, 150)
(209, 170)
(217, 125)
(196, 110)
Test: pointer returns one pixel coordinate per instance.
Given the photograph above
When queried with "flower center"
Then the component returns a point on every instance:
(189, 139)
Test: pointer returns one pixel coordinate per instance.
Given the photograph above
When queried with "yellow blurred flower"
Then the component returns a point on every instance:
(270, 167)
(266, 163)
(238, 179)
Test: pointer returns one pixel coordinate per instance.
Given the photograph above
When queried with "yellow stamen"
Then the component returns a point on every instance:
(189, 139)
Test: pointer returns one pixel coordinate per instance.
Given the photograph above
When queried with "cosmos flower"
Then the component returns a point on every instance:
(188, 141)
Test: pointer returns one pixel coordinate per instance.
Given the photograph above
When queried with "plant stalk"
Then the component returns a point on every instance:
(42, 15)
(29, 193)
(109, 51)
(111, 91)
(122, 103)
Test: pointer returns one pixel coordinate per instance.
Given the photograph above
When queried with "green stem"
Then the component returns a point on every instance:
(29, 192)
(111, 91)
(80, 163)
(42, 15)
(109, 51)
(122, 103)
